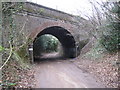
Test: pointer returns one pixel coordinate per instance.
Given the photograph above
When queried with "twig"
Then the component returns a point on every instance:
(10, 54)
(23, 25)
(6, 8)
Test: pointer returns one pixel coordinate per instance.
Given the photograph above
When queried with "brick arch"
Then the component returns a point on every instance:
(45, 25)
(67, 26)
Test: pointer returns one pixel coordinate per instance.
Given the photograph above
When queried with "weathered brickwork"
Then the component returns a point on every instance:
(36, 18)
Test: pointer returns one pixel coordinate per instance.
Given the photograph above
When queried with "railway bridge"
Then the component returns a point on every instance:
(36, 20)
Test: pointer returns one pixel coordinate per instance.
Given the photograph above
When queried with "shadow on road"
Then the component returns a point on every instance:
(49, 57)
(37, 60)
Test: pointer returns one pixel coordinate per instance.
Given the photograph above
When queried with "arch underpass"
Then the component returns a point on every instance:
(64, 36)
(34, 20)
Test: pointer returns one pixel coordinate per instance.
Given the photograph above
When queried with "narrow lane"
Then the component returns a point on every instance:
(63, 74)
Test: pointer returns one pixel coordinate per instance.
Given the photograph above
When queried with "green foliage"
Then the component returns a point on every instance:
(1, 48)
(111, 37)
(11, 34)
(48, 43)
(96, 52)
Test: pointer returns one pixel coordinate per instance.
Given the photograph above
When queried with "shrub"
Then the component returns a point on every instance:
(111, 37)
(49, 43)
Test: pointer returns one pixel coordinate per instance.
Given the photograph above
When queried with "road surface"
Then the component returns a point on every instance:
(63, 74)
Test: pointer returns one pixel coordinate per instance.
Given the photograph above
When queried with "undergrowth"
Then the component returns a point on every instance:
(96, 52)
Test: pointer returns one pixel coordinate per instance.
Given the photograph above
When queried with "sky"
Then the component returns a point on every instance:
(74, 7)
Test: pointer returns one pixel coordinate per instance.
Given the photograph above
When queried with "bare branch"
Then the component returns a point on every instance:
(10, 54)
